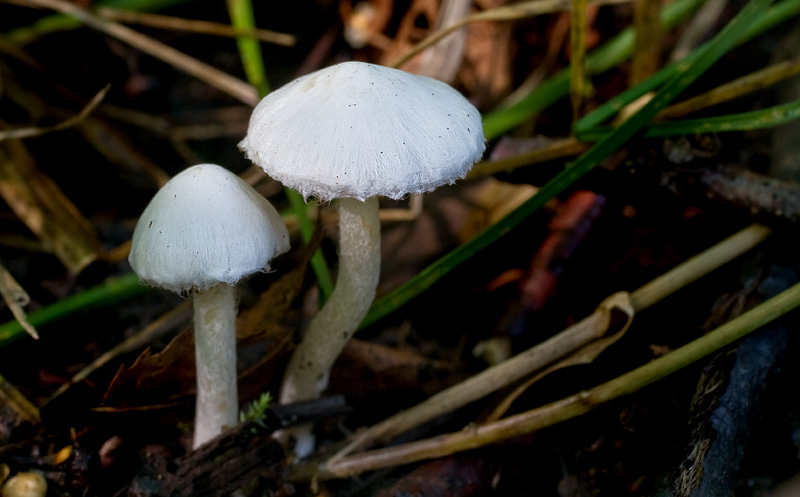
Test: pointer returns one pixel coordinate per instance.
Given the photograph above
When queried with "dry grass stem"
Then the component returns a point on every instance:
(590, 328)
(219, 79)
(193, 26)
(31, 132)
(738, 87)
(570, 407)
(577, 56)
(553, 349)
(566, 147)
(585, 355)
(647, 28)
(473, 437)
(699, 266)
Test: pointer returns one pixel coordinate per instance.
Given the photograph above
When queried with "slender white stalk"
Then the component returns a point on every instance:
(215, 352)
(359, 267)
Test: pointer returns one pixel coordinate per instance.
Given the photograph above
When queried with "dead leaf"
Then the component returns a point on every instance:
(492, 202)
(170, 373)
(488, 60)
(16, 298)
(46, 211)
(409, 32)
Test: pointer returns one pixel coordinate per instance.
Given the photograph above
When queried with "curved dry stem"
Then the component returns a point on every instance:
(215, 353)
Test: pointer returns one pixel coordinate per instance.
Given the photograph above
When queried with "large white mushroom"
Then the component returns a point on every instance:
(353, 132)
(201, 233)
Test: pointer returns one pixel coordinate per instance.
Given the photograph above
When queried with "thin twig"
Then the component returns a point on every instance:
(30, 132)
(194, 26)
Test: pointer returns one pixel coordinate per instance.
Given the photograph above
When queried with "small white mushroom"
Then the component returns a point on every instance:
(353, 132)
(201, 233)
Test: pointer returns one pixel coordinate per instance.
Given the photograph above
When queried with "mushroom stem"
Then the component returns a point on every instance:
(359, 267)
(215, 352)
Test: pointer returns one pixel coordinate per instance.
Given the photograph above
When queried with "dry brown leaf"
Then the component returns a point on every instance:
(16, 298)
(408, 34)
(487, 69)
(491, 203)
(46, 211)
(169, 373)
(256, 322)
(154, 377)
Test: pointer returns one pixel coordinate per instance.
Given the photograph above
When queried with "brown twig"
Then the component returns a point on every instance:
(194, 26)
(34, 131)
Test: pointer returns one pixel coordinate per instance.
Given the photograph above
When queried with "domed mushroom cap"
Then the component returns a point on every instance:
(205, 226)
(362, 130)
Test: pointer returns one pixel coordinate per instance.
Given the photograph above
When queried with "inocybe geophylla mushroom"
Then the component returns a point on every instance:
(201, 233)
(353, 132)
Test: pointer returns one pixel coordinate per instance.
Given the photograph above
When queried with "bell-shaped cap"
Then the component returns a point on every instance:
(204, 227)
(361, 130)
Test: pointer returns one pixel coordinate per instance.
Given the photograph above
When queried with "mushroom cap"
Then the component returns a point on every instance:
(204, 227)
(361, 130)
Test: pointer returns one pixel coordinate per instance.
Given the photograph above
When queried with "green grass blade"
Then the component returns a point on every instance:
(241, 13)
(780, 12)
(555, 88)
(110, 292)
(684, 75)
(757, 119)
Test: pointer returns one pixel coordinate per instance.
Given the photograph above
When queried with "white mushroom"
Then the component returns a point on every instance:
(201, 233)
(353, 132)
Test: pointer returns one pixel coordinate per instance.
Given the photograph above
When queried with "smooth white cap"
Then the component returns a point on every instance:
(361, 130)
(204, 227)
